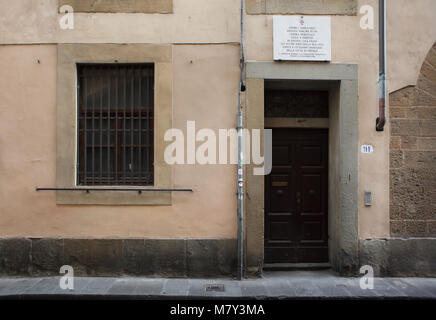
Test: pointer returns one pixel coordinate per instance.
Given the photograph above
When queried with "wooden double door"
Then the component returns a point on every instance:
(296, 197)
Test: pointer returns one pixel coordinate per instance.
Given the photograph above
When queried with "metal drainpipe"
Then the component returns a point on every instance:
(240, 271)
(381, 120)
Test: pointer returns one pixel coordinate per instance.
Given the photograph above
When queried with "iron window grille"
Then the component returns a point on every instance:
(115, 124)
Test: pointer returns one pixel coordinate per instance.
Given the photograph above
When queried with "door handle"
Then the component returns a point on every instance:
(298, 198)
(280, 192)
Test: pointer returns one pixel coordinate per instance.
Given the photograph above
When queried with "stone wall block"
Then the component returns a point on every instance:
(427, 128)
(136, 259)
(409, 142)
(395, 143)
(428, 71)
(402, 97)
(419, 159)
(398, 112)
(405, 127)
(15, 256)
(47, 256)
(408, 228)
(168, 257)
(396, 158)
(423, 98)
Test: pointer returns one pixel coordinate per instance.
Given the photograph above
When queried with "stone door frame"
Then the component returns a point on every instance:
(342, 82)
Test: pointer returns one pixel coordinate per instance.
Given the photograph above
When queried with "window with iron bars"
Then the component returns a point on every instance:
(115, 124)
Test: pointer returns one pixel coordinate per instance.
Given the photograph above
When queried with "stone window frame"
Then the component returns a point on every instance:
(307, 7)
(69, 55)
(116, 6)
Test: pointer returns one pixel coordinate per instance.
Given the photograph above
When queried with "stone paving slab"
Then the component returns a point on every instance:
(98, 286)
(274, 285)
(416, 290)
(176, 287)
(305, 288)
(352, 285)
(280, 288)
(385, 288)
(426, 285)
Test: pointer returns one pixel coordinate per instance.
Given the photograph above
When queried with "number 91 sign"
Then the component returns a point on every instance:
(367, 149)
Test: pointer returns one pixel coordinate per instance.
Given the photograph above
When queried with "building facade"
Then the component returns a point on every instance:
(93, 93)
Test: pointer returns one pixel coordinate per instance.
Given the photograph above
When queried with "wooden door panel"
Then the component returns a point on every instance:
(311, 155)
(281, 155)
(311, 190)
(279, 193)
(283, 255)
(312, 231)
(279, 229)
(296, 198)
(314, 255)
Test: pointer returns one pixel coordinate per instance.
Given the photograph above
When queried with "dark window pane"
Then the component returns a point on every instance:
(296, 104)
(115, 124)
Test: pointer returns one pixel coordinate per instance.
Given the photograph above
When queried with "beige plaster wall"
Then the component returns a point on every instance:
(410, 35)
(410, 30)
(28, 21)
(27, 144)
(204, 90)
(351, 44)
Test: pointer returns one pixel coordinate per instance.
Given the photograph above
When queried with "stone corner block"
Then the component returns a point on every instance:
(402, 97)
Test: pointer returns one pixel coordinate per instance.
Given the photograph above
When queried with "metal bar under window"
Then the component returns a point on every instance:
(139, 190)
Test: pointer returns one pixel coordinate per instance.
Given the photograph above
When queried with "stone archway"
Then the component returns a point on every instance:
(410, 249)
(413, 155)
